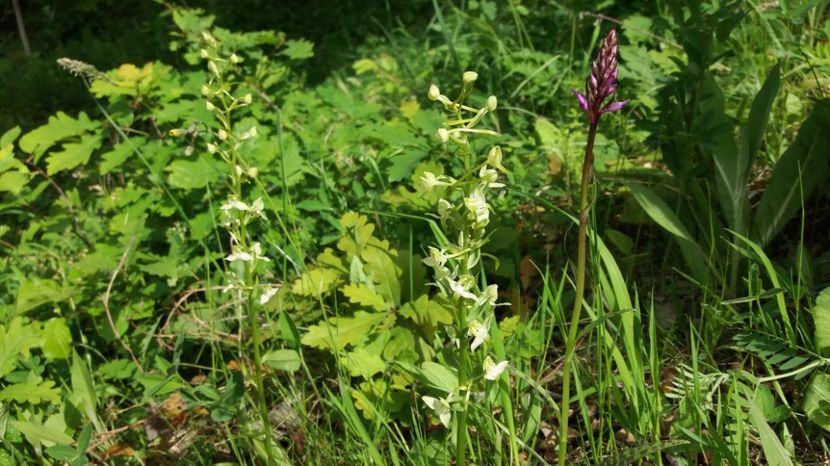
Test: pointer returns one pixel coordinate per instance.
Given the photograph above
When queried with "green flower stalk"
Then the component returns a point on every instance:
(600, 85)
(464, 213)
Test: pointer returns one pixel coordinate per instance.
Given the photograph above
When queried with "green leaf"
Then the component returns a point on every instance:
(115, 158)
(37, 432)
(821, 317)
(439, 376)
(9, 136)
(193, 174)
(363, 363)
(34, 292)
(315, 282)
(73, 154)
(381, 265)
(799, 171)
(34, 390)
(774, 451)
(298, 49)
(342, 331)
(426, 313)
(283, 359)
(288, 330)
(13, 181)
(57, 340)
(664, 216)
(733, 165)
(365, 296)
(816, 404)
(83, 390)
(59, 126)
(15, 342)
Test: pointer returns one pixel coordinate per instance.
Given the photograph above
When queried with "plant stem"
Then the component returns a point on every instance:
(587, 174)
(461, 424)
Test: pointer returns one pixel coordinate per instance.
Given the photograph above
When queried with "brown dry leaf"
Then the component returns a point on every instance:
(198, 379)
(233, 365)
(119, 449)
(527, 271)
(554, 164)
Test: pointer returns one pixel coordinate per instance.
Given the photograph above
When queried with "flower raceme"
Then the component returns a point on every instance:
(602, 82)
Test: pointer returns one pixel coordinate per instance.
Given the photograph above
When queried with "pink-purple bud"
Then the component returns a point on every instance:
(602, 81)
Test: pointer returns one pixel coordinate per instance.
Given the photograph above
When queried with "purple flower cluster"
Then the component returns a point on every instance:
(602, 82)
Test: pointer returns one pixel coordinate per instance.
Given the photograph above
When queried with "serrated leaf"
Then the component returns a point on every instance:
(341, 332)
(9, 136)
(34, 390)
(59, 126)
(426, 313)
(13, 181)
(15, 342)
(365, 296)
(363, 363)
(73, 154)
(298, 49)
(36, 432)
(115, 158)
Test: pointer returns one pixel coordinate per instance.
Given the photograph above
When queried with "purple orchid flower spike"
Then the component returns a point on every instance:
(602, 82)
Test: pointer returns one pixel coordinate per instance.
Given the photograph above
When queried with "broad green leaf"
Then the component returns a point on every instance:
(821, 317)
(363, 363)
(288, 330)
(83, 391)
(59, 126)
(816, 402)
(193, 174)
(439, 376)
(315, 282)
(365, 296)
(34, 292)
(342, 331)
(664, 216)
(381, 265)
(799, 171)
(283, 359)
(774, 451)
(733, 165)
(34, 390)
(73, 154)
(57, 341)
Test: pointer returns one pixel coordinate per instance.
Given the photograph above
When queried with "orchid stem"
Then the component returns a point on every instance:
(584, 207)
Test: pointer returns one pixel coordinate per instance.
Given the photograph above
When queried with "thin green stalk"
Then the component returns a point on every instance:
(584, 207)
(461, 419)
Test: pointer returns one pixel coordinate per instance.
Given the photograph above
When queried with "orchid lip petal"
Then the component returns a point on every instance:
(582, 99)
(613, 107)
